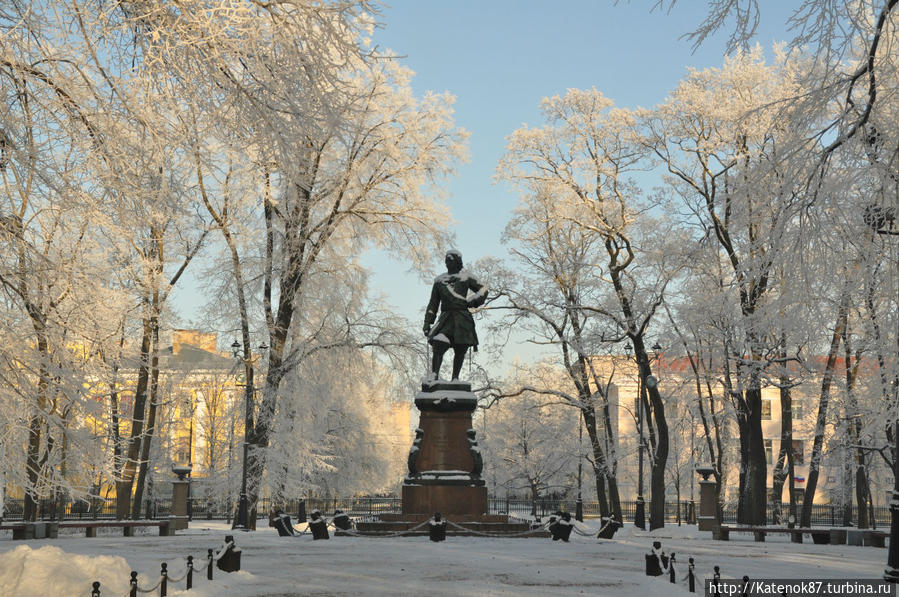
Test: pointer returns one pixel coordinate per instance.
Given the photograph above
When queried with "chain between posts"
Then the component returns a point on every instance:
(689, 580)
(544, 527)
(165, 579)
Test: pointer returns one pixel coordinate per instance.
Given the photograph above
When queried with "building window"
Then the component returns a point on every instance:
(797, 409)
(769, 451)
(798, 451)
(182, 456)
(766, 410)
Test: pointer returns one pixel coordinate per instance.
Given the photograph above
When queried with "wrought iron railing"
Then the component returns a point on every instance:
(204, 508)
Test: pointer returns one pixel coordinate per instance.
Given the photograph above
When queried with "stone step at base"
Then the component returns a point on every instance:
(471, 529)
(417, 518)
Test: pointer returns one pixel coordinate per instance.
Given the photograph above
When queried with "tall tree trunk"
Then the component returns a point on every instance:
(746, 510)
(152, 303)
(600, 465)
(37, 420)
(781, 469)
(853, 416)
(611, 454)
(147, 441)
(791, 479)
(278, 322)
(601, 496)
(32, 467)
(814, 466)
(114, 427)
(660, 454)
(124, 485)
(757, 474)
(742, 495)
(846, 479)
(614, 497)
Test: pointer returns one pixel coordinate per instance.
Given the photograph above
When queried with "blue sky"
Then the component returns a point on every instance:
(501, 57)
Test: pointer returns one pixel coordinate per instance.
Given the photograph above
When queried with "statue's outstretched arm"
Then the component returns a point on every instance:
(480, 293)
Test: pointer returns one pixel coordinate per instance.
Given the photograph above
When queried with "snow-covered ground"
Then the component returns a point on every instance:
(461, 566)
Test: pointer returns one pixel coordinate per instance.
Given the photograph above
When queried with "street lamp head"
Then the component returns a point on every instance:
(263, 347)
(628, 348)
(235, 349)
(657, 348)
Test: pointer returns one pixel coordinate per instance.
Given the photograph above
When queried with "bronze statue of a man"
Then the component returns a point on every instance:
(454, 292)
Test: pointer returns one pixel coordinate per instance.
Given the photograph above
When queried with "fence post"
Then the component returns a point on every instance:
(209, 565)
(832, 519)
(96, 591)
(190, 572)
(164, 582)
(133, 584)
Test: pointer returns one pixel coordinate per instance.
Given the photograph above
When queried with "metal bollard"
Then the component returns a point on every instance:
(437, 528)
(691, 577)
(671, 568)
(96, 591)
(164, 582)
(716, 580)
(229, 559)
(133, 584)
(654, 561)
(190, 572)
(209, 565)
(745, 589)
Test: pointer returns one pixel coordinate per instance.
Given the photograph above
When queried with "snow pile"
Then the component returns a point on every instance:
(387, 567)
(27, 572)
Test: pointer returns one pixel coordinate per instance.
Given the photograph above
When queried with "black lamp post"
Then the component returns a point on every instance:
(653, 382)
(882, 221)
(242, 522)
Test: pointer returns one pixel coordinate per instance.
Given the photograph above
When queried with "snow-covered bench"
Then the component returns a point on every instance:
(127, 526)
(723, 532)
(50, 529)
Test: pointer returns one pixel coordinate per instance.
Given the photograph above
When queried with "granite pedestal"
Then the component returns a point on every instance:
(445, 468)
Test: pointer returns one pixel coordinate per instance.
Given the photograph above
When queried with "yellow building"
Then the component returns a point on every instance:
(204, 392)
(687, 440)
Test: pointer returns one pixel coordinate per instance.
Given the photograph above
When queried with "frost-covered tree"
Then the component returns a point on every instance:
(125, 129)
(531, 440)
(545, 301)
(53, 268)
(727, 150)
(346, 189)
(580, 204)
(853, 65)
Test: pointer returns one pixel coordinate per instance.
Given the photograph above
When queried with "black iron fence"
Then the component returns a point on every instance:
(212, 509)
(95, 509)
